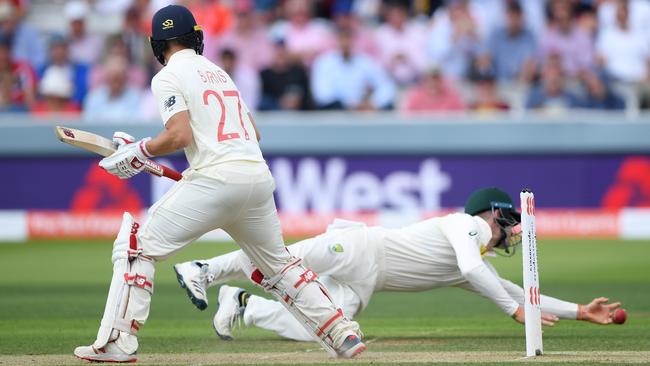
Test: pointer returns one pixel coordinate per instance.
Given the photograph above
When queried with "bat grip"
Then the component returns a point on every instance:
(162, 171)
(172, 174)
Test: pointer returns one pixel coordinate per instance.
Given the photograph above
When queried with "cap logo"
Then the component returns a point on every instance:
(168, 24)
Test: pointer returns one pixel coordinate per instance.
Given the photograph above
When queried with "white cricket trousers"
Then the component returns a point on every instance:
(271, 315)
(238, 198)
(347, 265)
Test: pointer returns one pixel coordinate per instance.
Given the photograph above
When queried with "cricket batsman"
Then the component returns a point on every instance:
(355, 261)
(227, 185)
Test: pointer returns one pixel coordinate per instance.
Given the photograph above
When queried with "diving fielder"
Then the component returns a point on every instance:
(355, 261)
(228, 185)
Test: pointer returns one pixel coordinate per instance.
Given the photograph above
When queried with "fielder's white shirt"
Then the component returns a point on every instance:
(441, 252)
(221, 125)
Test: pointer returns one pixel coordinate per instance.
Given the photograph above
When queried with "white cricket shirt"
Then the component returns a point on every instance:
(220, 120)
(421, 256)
(441, 252)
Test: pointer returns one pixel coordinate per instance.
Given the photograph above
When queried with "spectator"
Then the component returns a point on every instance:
(400, 43)
(432, 94)
(112, 6)
(77, 73)
(56, 90)
(639, 14)
(453, 40)
(486, 98)
(7, 103)
(27, 44)
(599, 95)
(489, 15)
(246, 79)
(148, 110)
(214, 17)
(344, 79)
(565, 38)
(305, 37)
(85, 47)
(115, 101)
(587, 19)
(512, 48)
(135, 37)
(367, 10)
(18, 74)
(552, 95)
(285, 84)
(623, 50)
(344, 18)
(248, 39)
(136, 75)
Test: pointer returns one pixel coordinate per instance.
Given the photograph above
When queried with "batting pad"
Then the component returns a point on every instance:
(129, 295)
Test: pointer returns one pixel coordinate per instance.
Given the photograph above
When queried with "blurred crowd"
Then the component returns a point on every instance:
(419, 55)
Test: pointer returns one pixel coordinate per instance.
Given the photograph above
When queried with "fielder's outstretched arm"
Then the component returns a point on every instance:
(551, 305)
(598, 311)
(461, 231)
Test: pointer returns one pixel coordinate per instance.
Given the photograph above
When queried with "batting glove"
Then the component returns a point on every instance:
(122, 138)
(128, 160)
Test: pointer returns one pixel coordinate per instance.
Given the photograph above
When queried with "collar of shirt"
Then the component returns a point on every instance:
(184, 53)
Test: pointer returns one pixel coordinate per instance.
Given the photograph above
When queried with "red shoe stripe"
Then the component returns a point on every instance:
(358, 351)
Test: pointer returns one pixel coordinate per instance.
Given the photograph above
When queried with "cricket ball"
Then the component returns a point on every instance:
(619, 316)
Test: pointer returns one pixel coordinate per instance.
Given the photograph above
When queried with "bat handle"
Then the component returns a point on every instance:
(162, 171)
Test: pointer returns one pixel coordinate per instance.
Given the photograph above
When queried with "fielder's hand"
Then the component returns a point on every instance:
(598, 311)
(128, 160)
(547, 319)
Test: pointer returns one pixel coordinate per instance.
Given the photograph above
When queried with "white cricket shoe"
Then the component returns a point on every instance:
(109, 353)
(193, 277)
(228, 312)
(352, 346)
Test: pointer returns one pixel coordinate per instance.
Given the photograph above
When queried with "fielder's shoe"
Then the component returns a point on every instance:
(232, 303)
(351, 347)
(109, 353)
(193, 277)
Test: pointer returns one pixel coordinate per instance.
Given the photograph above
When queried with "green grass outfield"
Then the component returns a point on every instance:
(52, 295)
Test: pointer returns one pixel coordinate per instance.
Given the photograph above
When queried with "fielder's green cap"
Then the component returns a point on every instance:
(486, 199)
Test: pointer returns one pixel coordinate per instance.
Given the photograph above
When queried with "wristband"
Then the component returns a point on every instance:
(143, 147)
(579, 317)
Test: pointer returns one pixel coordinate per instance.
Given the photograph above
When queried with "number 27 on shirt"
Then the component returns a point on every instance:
(230, 96)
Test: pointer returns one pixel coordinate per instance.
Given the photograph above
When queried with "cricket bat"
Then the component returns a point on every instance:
(105, 147)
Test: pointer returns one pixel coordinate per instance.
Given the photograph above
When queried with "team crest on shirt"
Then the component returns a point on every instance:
(169, 103)
(337, 248)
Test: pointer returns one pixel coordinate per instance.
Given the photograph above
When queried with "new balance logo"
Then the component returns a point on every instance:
(68, 133)
(170, 102)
